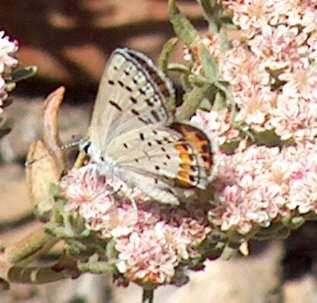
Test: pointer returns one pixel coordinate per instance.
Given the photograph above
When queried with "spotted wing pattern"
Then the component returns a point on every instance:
(133, 128)
(132, 93)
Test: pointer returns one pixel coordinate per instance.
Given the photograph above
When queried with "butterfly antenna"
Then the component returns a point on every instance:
(80, 142)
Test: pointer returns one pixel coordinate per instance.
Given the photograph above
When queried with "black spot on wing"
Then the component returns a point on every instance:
(135, 112)
(192, 178)
(149, 103)
(143, 120)
(133, 100)
(142, 136)
(110, 82)
(128, 88)
(205, 148)
(155, 115)
(115, 105)
(205, 158)
(167, 140)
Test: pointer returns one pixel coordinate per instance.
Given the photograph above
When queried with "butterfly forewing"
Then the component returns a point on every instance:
(132, 93)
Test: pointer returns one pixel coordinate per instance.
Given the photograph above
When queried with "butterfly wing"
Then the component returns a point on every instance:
(132, 93)
(163, 159)
(133, 127)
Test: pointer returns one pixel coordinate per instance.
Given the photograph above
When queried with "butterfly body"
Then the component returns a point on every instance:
(135, 138)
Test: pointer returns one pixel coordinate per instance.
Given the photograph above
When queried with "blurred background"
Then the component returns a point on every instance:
(69, 41)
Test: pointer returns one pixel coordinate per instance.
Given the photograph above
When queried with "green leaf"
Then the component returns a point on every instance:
(207, 6)
(197, 80)
(219, 101)
(166, 52)
(192, 100)
(209, 65)
(182, 26)
(24, 73)
(95, 266)
(205, 104)
(224, 42)
(177, 67)
(228, 253)
(267, 138)
(297, 222)
(212, 13)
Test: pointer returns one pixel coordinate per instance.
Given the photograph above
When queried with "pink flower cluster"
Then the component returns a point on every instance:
(151, 239)
(260, 184)
(271, 66)
(217, 124)
(7, 62)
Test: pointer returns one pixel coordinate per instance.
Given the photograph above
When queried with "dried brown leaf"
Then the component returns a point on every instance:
(51, 126)
(42, 171)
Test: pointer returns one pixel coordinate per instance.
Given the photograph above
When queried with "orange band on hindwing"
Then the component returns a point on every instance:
(195, 145)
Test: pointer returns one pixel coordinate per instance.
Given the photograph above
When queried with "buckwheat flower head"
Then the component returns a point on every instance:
(251, 15)
(216, 124)
(147, 256)
(89, 192)
(259, 185)
(151, 239)
(270, 66)
(7, 62)
(7, 49)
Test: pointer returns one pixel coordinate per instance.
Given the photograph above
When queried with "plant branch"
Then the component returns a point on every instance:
(30, 247)
(148, 295)
(30, 275)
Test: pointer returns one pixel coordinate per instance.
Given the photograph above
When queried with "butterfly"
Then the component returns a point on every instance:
(134, 134)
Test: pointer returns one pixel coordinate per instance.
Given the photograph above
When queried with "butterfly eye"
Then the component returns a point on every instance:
(85, 146)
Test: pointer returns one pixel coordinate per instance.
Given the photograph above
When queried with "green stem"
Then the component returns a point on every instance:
(148, 295)
(30, 275)
(30, 247)
(191, 102)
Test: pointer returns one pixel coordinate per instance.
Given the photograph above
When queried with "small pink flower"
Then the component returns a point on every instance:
(147, 256)
(151, 239)
(259, 184)
(216, 124)
(7, 49)
(7, 63)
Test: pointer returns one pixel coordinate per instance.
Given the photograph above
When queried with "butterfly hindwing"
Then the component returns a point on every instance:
(166, 154)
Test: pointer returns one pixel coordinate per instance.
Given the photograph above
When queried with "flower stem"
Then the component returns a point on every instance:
(30, 247)
(30, 275)
(148, 295)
